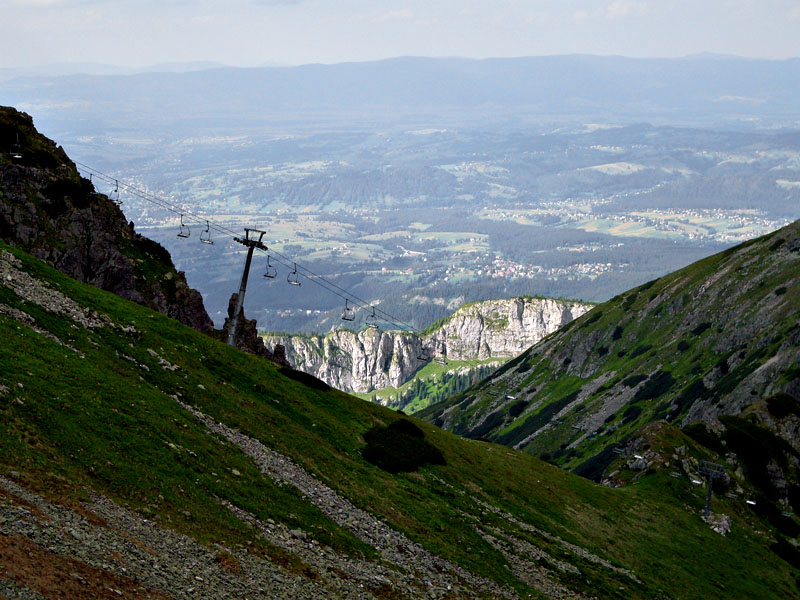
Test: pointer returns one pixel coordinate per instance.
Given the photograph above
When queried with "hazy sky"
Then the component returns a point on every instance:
(252, 32)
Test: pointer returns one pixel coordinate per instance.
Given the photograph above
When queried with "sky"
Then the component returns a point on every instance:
(137, 33)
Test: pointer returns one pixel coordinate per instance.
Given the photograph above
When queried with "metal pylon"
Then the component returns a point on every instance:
(251, 244)
(710, 471)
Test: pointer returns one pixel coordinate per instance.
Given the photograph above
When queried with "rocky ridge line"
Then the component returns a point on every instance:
(371, 359)
(54, 214)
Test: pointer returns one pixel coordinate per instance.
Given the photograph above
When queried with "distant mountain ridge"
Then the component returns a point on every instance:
(433, 90)
(66, 69)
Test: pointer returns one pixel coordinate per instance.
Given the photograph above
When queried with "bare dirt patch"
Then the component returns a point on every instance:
(54, 576)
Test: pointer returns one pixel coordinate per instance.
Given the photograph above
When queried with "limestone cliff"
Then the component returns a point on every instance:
(372, 359)
(501, 328)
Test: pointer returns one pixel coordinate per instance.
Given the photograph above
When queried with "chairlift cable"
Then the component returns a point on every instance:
(360, 302)
(224, 231)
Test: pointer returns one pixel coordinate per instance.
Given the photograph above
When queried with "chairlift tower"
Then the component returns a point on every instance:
(252, 243)
(710, 471)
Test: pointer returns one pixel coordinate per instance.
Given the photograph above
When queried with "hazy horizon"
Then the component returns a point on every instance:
(208, 64)
(250, 33)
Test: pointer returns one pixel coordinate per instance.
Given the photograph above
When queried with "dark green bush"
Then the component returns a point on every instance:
(755, 447)
(633, 380)
(400, 447)
(510, 365)
(787, 526)
(705, 437)
(693, 392)
(492, 421)
(658, 385)
(629, 300)
(777, 244)
(647, 286)
(782, 405)
(683, 346)
(536, 421)
(787, 552)
(517, 408)
(594, 467)
(631, 413)
(794, 497)
(640, 350)
(602, 350)
(617, 333)
(305, 379)
(701, 328)
(593, 317)
(780, 291)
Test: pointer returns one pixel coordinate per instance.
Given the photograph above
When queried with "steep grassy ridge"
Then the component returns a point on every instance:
(716, 343)
(90, 402)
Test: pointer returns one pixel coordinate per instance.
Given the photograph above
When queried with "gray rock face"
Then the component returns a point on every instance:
(50, 211)
(502, 328)
(372, 359)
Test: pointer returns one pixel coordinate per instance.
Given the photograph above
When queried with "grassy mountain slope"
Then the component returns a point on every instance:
(713, 348)
(97, 398)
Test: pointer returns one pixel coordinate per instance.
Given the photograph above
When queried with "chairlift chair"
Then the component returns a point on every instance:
(270, 273)
(184, 230)
(205, 236)
(114, 195)
(16, 150)
(372, 319)
(93, 193)
(349, 314)
(293, 277)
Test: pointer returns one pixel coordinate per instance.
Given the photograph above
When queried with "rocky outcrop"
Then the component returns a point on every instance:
(355, 361)
(49, 210)
(502, 328)
(247, 338)
(371, 359)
